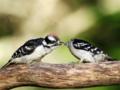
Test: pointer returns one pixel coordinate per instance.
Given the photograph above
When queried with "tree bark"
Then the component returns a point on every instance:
(60, 75)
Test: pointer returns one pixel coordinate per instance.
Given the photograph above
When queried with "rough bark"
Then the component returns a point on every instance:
(60, 75)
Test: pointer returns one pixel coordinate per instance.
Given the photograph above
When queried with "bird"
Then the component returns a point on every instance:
(86, 52)
(34, 50)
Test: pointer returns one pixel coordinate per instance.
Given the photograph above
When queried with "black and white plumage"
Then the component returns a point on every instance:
(34, 50)
(86, 52)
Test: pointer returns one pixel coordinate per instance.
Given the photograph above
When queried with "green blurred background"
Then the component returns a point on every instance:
(97, 21)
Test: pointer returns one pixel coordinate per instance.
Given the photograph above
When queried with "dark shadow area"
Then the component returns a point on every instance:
(8, 25)
(113, 87)
(76, 4)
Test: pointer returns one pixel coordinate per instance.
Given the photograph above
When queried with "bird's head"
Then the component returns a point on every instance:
(52, 41)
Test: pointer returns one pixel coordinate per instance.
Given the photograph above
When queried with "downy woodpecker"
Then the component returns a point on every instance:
(34, 50)
(86, 52)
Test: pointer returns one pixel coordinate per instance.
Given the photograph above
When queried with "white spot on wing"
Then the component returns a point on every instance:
(22, 50)
(82, 44)
(44, 43)
(92, 50)
(95, 48)
(28, 48)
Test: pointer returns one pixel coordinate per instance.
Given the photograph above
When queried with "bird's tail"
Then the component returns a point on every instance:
(7, 64)
(108, 58)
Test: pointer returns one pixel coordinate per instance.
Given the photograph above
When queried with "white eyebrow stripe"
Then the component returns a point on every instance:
(92, 50)
(82, 44)
(87, 47)
(51, 38)
(22, 50)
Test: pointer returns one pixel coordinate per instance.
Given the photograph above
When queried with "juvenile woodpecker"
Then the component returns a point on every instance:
(86, 52)
(34, 50)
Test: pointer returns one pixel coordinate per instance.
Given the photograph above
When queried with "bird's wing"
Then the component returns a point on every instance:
(84, 45)
(27, 48)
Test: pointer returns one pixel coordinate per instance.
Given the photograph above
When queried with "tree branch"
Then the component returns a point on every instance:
(60, 75)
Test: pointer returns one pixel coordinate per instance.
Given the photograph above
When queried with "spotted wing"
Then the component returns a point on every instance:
(84, 45)
(27, 48)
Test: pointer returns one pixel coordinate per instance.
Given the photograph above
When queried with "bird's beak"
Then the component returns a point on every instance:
(66, 44)
(61, 42)
(58, 43)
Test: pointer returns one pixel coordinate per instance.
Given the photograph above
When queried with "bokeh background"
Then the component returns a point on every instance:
(97, 21)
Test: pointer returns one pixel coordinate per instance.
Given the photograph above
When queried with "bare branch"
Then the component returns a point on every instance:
(60, 75)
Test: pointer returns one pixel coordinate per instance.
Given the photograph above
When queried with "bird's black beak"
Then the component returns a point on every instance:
(66, 43)
(61, 42)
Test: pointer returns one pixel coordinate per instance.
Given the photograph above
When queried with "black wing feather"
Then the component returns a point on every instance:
(27, 48)
(84, 45)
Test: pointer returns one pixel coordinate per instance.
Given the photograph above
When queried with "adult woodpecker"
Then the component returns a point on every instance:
(34, 50)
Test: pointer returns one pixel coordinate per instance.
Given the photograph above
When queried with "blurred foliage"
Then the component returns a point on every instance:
(105, 34)
(78, 3)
